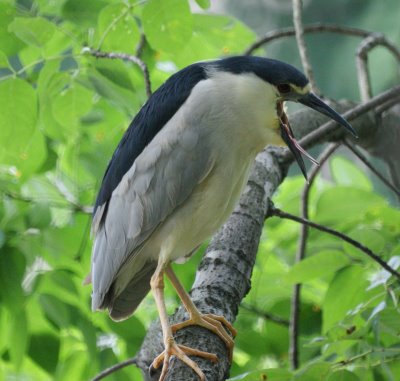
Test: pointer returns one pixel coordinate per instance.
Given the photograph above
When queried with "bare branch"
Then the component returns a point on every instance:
(298, 26)
(265, 315)
(126, 57)
(312, 28)
(140, 45)
(358, 153)
(281, 214)
(295, 302)
(366, 45)
(114, 369)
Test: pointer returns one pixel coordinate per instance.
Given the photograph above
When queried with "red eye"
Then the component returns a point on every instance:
(284, 88)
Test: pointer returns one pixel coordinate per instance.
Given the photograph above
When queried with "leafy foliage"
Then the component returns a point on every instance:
(63, 112)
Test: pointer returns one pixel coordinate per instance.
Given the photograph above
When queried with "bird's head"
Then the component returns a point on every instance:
(287, 91)
(289, 84)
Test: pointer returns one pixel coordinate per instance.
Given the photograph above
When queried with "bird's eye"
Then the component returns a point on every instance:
(284, 88)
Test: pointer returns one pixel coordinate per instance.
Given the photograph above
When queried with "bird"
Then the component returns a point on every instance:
(176, 176)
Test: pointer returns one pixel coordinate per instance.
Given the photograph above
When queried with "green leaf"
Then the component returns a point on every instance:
(316, 371)
(18, 335)
(83, 13)
(345, 292)
(119, 96)
(205, 4)
(4, 61)
(33, 31)
(316, 266)
(117, 29)
(370, 238)
(12, 268)
(389, 318)
(346, 172)
(70, 105)
(18, 118)
(44, 349)
(56, 311)
(19, 111)
(10, 44)
(345, 204)
(168, 24)
(213, 36)
(342, 375)
(266, 374)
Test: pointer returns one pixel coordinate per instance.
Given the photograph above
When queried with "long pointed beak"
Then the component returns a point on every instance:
(312, 101)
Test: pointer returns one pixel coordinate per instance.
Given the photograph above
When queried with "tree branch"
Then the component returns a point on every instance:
(312, 28)
(127, 57)
(366, 45)
(301, 44)
(281, 214)
(113, 369)
(371, 167)
(265, 315)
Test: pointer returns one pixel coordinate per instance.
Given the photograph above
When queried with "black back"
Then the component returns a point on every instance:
(167, 100)
(156, 112)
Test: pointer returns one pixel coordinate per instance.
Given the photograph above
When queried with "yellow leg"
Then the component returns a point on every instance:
(212, 322)
(171, 347)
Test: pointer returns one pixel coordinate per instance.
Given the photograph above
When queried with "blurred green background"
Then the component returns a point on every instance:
(62, 114)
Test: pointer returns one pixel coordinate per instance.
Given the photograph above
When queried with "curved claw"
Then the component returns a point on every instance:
(181, 352)
(215, 324)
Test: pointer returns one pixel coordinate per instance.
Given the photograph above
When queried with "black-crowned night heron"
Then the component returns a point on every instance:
(176, 176)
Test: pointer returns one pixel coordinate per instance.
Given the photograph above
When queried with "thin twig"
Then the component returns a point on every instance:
(140, 45)
(312, 28)
(281, 214)
(265, 315)
(86, 209)
(371, 167)
(295, 302)
(127, 57)
(114, 368)
(366, 45)
(301, 44)
(351, 114)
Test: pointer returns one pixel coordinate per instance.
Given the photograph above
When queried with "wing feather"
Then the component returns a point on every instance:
(163, 176)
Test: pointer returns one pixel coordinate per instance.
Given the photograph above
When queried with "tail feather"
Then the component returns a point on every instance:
(121, 306)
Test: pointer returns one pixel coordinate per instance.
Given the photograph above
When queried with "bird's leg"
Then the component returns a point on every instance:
(212, 322)
(171, 347)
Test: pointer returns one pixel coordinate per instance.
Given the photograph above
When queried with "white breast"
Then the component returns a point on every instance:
(236, 115)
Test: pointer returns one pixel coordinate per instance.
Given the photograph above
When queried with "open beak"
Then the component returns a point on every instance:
(291, 142)
(312, 101)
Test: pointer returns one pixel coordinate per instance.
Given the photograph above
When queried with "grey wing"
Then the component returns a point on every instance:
(162, 177)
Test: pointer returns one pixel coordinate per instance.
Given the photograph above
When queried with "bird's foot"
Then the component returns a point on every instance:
(181, 352)
(215, 324)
